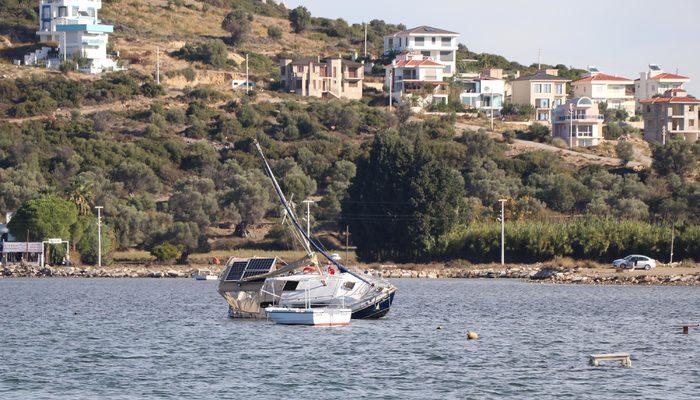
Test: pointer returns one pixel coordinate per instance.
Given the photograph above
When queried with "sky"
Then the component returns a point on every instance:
(620, 37)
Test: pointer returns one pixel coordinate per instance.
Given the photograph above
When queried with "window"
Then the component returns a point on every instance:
(433, 39)
(390, 43)
(349, 285)
(290, 285)
(538, 87)
(542, 116)
(335, 71)
(542, 103)
(691, 122)
(446, 41)
(75, 11)
(425, 53)
(558, 102)
(547, 88)
(560, 88)
(420, 41)
(46, 12)
(691, 109)
(283, 71)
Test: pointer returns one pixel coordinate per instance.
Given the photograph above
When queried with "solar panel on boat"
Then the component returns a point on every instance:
(236, 271)
(258, 266)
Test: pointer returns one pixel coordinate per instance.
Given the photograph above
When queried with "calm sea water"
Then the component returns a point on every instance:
(147, 338)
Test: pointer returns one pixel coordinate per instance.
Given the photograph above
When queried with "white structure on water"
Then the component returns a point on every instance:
(75, 27)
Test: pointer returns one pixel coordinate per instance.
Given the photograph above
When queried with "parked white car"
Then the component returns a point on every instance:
(635, 261)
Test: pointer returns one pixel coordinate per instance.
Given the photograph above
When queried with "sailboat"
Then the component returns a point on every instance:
(252, 285)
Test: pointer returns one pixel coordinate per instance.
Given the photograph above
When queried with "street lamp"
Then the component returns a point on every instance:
(99, 236)
(503, 231)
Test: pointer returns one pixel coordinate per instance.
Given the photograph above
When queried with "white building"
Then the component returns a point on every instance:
(485, 91)
(438, 44)
(416, 78)
(578, 122)
(655, 82)
(615, 91)
(73, 25)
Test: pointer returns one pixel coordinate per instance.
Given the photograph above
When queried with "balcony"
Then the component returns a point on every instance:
(581, 118)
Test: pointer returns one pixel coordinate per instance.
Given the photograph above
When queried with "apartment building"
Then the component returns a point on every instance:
(655, 82)
(416, 78)
(314, 77)
(484, 91)
(673, 115)
(578, 122)
(544, 90)
(437, 44)
(615, 91)
(75, 26)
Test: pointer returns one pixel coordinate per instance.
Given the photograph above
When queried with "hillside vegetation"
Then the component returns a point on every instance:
(174, 164)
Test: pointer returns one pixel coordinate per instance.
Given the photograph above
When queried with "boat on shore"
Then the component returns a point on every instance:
(204, 275)
(251, 286)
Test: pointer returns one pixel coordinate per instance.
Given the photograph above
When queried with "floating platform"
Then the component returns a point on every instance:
(624, 359)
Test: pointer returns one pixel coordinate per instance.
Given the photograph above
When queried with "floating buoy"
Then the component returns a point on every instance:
(472, 335)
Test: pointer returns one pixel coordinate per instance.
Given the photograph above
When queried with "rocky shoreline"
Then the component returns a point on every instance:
(532, 273)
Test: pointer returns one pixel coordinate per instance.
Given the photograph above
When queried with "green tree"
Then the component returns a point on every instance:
(676, 156)
(87, 245)
(186, 236)
(625, 152)
(46, 217)
(194, 200)
(237, 23)
(165, 252)
(247, 201)
(402, 202)
(300, 18)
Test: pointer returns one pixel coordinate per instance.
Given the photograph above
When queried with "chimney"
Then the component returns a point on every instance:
(552, 71)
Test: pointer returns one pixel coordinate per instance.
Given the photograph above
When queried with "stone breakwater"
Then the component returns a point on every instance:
(546, 274)
(533, 273)
(117, 271)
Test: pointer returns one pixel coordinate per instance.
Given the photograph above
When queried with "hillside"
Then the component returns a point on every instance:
(173, 163)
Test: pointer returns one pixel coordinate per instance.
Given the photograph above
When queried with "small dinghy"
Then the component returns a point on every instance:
(204, 275)
(323, 316)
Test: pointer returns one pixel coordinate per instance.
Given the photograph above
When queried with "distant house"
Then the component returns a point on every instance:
(483, 91)
(333, 77)
(578, 122)
(74, 25)
(416, 78)
(673, 115)
(655, 82)
(437, 44)
(615, 91)
(544, 90)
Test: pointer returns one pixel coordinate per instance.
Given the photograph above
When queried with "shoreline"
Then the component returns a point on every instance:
(677, 275)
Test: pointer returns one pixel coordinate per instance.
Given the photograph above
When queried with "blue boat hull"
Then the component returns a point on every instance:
(375, 310)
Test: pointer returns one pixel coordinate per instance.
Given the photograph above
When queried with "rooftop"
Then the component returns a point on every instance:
(418, 64)
(424, 30)
(666, 75)
(603, 78)
(671, 99)
(541, 76)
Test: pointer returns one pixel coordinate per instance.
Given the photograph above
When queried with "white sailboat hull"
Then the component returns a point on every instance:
(310, 316)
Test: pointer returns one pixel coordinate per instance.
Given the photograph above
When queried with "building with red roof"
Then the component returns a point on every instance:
(615, 91)
(438, 44)
(655, 82)
(675, 114)
(415, 76)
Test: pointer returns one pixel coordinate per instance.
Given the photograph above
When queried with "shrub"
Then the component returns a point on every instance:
(68, 66)
(300, 18)
(560, 143)
(509, 136)
(165, 252)
(212, 52)
(625, 152)
(274, 32)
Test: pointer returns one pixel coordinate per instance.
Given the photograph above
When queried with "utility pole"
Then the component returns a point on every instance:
(673, 234)
(99, 236)
(571, 125)
(391, 86)
(65, 50)
(247, 75)
(503, 231)
(308, 216)
(663, 135)
(365, 40)
(158, 65)
(539, 57)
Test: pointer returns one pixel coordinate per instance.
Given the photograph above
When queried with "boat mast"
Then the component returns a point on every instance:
(292, 217)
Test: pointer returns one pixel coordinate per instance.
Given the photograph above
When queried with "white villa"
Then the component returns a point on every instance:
(416, 78)
(655, 82)
(615, 91)
(75, 26)
(578, 122)
(438, 44)
(483, 91)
